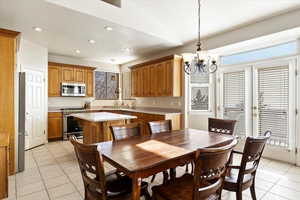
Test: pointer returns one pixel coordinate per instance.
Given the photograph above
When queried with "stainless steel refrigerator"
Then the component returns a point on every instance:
(21, 120)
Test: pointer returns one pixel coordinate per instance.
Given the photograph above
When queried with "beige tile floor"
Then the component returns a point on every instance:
(52, 173)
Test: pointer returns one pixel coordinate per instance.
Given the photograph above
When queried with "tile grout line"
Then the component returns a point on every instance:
(41, 176)
(65, 173)
(16, 181)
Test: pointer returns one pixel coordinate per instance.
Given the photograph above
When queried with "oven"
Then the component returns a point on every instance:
(71, 126)
(73, 89)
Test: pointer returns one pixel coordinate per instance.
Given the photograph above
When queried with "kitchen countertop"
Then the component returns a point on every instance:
(148, 110)
(102, 116)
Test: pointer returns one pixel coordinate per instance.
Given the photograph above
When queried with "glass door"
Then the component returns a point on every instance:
(262, 97)
(235, 98)
(274, 107)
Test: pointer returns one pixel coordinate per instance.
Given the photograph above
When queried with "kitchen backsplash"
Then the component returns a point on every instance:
(158, 102)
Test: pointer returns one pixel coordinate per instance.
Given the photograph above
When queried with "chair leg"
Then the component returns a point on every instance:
(187, 168)
(146, 194)
(165, 176)
(172, 174)
(153, 178)
(239, 195)
(193, 167)
(252, 189)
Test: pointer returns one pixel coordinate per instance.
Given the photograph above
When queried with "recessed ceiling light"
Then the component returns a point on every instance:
(108, 28)
(92, 41)
(77, 51)
(37, 29)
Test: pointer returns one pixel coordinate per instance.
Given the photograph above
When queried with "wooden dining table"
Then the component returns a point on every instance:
(141, 157)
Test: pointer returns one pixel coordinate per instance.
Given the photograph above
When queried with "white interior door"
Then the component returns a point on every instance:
(35, 114)
(274, 107)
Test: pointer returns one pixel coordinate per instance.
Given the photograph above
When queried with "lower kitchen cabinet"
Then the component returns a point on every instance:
(4, 160)
(144, 119)
(55, 125)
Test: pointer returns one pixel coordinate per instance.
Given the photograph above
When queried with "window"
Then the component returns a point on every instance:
(106, 85)
(200, 92)
(260, 54)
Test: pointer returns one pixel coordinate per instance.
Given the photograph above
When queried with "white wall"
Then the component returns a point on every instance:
(285, 26)
(30, 56)
(76, 61)
(75, 101)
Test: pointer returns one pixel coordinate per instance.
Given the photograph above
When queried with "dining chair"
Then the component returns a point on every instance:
(126, 131)
(242, 177)
(97, 184)
(207, 181)
(221, 126)
(160, 127)
(120, 132)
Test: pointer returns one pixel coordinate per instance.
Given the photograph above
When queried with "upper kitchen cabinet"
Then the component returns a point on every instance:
(59, 73)
(157, 78)
(54, 80)
(89, 82)
(68, 75)
(79, 74)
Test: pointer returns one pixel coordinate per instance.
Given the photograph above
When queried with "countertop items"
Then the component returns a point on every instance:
(148, 110)
(102, 116)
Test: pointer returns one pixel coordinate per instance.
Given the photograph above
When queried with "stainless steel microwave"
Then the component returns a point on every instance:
(73, 90)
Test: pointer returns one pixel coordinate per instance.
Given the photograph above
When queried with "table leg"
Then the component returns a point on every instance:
(136, 188)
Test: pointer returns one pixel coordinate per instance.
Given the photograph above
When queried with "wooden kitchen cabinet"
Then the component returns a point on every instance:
(89, 82)
(147, 81)
(79, 75)
(54, 80)
(154, 81)
(64, 73)
(8, 49)
(158, 78)
(55, 125)
(68, 74)
(4, 167)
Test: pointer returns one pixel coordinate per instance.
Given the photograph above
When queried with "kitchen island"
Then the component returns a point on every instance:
(96, 125)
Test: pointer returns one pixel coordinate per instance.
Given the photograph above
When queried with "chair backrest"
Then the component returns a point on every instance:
(125, 131)
(221, 126)
(210, 169)
(92, 170)
(160, 126)
(252, 153)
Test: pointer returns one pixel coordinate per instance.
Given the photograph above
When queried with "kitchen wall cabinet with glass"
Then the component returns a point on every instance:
(106, 85)
(157, 78)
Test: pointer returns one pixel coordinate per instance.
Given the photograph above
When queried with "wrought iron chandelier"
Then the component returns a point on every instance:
(200, 62)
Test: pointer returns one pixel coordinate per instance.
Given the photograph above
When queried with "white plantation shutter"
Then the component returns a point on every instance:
(234, 99)
(273, 104)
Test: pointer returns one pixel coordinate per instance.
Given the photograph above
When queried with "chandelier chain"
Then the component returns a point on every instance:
(199, 21)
